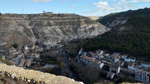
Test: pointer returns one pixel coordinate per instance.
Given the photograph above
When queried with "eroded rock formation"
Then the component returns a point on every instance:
(47, 28)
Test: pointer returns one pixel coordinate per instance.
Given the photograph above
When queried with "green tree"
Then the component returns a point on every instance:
(15, 45)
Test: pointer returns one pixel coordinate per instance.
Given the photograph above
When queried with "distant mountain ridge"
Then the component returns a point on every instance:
(115, 19)
(130, 33)
(93, 17)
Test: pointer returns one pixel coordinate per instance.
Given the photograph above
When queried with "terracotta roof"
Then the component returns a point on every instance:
(120, 62)
(120, 56)
(113, 66)
(115, 54)
(99, 51)
(148, 63)
(90, 59)
(14, 57)
(125, 55)
(130, 64)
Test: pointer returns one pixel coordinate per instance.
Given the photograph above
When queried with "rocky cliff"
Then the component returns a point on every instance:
(117, 21)
(16, 75)
(46, 28)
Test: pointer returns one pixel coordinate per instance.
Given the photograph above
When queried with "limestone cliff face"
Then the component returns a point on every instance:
(47, 28)
(116, 22)
(16, 75)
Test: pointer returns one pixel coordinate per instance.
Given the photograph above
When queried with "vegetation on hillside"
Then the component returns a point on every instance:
(5, 61)
(135, 41)
(109, 18)
(87, 74)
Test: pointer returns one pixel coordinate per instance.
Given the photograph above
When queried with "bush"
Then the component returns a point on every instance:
(87, 74)
(6, 61)
(15, 46)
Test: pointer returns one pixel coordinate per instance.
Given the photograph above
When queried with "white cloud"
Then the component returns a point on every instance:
(84, 6)
(73, 5)
(103, 6)
(134, 1)
(107, 0)
(121, 5)
(42, 0)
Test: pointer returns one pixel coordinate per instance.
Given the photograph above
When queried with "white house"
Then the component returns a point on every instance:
(115, 57)
(146, 65)
(131, 66)
(121, 63)
(110, 75)
(84, 53)
(124, 56)
(143, 76)
(93, 62)
(101, 65)
(132, 59)
(127, 59)
(115, 69)
(25, 49)
(80, 51)
(91, 53)
(99, 52)
(106, 54)
(100, 56)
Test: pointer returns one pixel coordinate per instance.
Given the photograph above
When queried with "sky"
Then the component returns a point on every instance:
(81, 7)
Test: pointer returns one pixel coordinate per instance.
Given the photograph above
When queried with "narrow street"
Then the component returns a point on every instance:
(67, 64)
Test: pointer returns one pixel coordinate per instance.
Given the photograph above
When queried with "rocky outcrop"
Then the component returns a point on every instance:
(47, 28)
(116, 22)
(16, 75)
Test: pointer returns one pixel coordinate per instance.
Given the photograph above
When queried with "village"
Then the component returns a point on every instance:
(117, 65)
(113, 66)
(25, 56)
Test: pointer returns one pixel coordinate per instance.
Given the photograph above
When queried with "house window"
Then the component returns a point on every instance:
(145, 78)
(140, 77)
